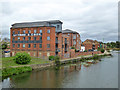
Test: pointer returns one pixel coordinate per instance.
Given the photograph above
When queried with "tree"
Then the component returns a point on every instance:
(4, 45)
(113, 44)
(117, 44)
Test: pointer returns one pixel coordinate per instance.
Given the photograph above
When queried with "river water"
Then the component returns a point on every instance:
(101, 75)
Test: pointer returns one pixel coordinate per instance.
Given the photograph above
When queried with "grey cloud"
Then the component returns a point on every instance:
(92, 19)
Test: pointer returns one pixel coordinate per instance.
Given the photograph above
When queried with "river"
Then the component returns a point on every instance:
(101, 75)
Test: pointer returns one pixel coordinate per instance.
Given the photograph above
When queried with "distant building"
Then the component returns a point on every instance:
(43, 39)
(91, 44)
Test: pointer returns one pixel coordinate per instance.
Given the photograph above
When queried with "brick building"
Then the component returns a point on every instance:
(91, 44)
(43, 39)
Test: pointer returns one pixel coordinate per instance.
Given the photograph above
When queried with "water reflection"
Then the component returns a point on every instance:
(100, 75)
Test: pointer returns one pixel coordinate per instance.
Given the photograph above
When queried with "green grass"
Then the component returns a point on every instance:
(8, 61)
(13, 71)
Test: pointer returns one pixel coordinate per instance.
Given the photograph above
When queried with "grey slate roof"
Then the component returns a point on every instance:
(68, 31)
(35, 24)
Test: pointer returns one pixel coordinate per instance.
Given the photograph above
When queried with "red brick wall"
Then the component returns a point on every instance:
(87, 53)
(37, 49)
(88, 46)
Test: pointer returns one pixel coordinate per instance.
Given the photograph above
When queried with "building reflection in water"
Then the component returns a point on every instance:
(50, 78)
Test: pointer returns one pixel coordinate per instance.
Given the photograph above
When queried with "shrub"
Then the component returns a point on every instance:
(95, 57)
(22, 58)
(72, 47)
(102, 50)
(51, 58)
(57, 60)
(85, 51)
(76, 50)
(98, 49)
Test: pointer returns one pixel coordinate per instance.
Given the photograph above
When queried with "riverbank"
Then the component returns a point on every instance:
(20, 68)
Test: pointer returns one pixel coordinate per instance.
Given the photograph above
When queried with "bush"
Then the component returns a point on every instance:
(57, 60)
(76, 50)
(95, 57)
(102, 50)
(85, 51)
(72, 47)
(98, 49)
(51, 58)
(22, 58)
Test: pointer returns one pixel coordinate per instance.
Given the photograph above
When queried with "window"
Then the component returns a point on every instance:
(34, 53)
(18, 45)
(40, 38)
(19, 38)
(74, 37)
(77, 35)
(34, 45)
(29, 45)
(58, 26)
(48, 38)
(18, 32)
(13, 38)
(13, 53)
(29, 38)
(48, 54)
(48, 45)
(23, 38)
(29, 53)
(40, 31)
(23, 45)
(39, 53)
(13, 45)
(65, 40)
(48, 31)
(34, 38)
(34, 31)
(29, 31)
(13, 32)
(74, 43)
(23, 31)
(40, 45)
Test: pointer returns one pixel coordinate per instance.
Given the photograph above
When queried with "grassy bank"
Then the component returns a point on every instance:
(8, 61)
(14, 71)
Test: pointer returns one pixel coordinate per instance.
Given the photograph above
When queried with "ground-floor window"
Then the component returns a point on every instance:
(40, 54)
(34, 53)
(13, 53)
(48, 54)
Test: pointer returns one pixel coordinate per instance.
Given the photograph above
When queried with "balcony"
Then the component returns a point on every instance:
(66, 50)
(56, 50)
(56, 41)
(65, 41)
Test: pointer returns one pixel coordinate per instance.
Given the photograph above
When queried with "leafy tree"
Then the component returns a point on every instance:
(117, 44)
(4, 45)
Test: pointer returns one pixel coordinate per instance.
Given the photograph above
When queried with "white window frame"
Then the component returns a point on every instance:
(48, 37)
(23, 45)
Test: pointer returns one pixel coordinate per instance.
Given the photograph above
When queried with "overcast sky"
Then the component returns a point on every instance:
(93, 19)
